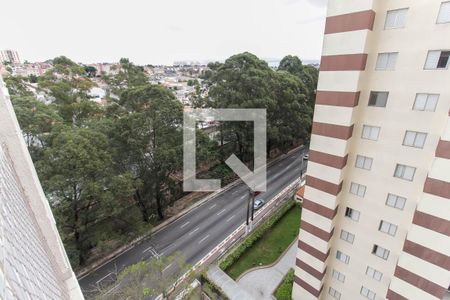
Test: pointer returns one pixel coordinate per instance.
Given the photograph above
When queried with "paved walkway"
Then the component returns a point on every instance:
(227, 284)
(262, 283)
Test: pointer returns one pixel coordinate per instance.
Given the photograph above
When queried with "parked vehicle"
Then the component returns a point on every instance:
(306, 156)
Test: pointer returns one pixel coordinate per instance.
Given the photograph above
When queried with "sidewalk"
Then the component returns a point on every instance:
(227, 284)
(261, 283)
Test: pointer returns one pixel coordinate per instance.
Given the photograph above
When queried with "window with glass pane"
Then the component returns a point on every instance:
(375, 274)
(352, 213)
(363, 162)
(404, 172)
(386, 61)
(395, 201)
(333, 293)
(370, 132)
(342, 257)
(396, 18)
(388, 228)
(347, 236)
(380, 252)
(357, 189)
(338, 276)
(426, 102)
(414, 139)
(378, 99)
(367, 293)
(444, 13)
(437, 59)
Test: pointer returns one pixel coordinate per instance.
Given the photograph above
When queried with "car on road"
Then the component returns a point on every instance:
(306, 156)
(258, 204)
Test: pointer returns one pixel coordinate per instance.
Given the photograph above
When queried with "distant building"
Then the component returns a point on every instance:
(33, 263)
(376, 211)
(9, 56)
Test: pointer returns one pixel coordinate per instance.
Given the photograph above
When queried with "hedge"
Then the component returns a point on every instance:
(284, 290)
(231, 258)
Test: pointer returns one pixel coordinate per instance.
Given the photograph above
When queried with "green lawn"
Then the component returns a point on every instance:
(284, 290)
(271, 245)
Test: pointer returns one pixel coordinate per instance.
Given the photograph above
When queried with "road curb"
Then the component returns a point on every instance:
(86, 271)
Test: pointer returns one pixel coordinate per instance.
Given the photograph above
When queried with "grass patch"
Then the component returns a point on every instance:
(284, 290)
(272, 243)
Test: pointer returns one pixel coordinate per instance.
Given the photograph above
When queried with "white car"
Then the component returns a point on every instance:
(258, 204)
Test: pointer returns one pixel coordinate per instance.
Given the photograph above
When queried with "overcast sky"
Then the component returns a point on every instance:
(162, 31)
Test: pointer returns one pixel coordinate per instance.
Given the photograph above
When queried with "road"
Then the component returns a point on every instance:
(199, 231)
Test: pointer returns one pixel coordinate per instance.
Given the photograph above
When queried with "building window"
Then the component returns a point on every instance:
(395, 201)
(370, 132)
(342, 257)
(347, 236)
(388, 228)
(414, 139)
(357, 189)
(426, 102)
(363, 162)
(380, 252)
(386, 61)
(352, 214)
(367, 293)
(437, 60)
(378, 99)
(375, 274)
(404, 172)
(338, 276)
(333, 293)
(396, 18)
(444, 13)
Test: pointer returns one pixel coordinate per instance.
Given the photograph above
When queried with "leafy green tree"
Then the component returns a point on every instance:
(129, 76)
(150, 278)
(68, 88)
(147, 139)
(82, 186)
(36, 119)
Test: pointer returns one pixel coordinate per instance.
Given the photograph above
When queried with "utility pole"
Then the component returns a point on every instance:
(250, 210)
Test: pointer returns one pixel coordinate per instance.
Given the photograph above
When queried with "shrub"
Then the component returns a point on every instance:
(284, 290)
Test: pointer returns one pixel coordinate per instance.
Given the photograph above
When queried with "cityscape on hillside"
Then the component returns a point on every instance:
(262, 174)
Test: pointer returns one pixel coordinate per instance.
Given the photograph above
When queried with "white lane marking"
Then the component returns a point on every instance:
(167, 267)
(203, 239)
(185, 224)
(221, 212)
(242, 197)
(148, 249)
(236, 191)
(229, 219)
(107, 275)
(195, 230)
(212, 206)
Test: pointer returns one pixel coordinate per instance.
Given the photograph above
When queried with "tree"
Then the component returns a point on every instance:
(82, 186)
(68, 88)
(36, 120)
(147, 139)
(90, 71)
(149, 278)
(128, 76)
(308, 75)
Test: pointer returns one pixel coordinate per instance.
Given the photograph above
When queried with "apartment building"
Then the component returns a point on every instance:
(376, 212)
(9, 56)
(33, 263)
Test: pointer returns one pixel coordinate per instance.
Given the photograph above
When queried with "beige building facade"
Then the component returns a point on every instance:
(33, 262)
(376, 213)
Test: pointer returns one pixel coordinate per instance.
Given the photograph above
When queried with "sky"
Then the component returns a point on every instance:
(162, 31)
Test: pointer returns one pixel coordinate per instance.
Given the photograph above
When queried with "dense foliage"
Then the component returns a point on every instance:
(110, 171)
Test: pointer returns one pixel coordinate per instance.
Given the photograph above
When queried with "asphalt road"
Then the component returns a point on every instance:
(199, 231)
